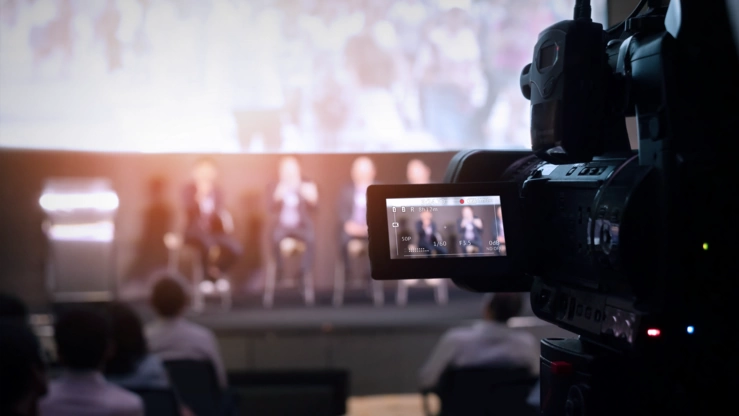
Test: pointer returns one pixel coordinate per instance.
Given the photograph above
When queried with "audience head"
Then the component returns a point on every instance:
(83, 338)
(128, 338)
(363, 172)
(418, 172)
(501, 307)
(12, 309)
(204, 172)
(290, 171)
(22, 371)
(169, 297)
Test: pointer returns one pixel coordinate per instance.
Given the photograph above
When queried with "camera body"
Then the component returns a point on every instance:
(631, 251)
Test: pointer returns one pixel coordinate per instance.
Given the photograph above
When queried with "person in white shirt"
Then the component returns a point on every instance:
(83, 341)
(172, 337)
(489, 342)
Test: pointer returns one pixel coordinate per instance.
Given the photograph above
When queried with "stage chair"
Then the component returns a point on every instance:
(289, 249)
(177, 248)
(158, 401)
(357, 249)
(483, 391)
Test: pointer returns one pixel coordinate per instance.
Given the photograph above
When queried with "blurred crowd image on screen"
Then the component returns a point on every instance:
(274, 75)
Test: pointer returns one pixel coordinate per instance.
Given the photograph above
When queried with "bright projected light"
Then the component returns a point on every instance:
(226, 76)
(98, 201)
(102, 231)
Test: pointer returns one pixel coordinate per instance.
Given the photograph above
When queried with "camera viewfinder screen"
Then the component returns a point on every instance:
(445, 227)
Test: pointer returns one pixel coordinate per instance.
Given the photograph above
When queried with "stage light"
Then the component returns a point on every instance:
(705, 246)
(102, 231)
(98, 201)
(653, 332)
(690, 329)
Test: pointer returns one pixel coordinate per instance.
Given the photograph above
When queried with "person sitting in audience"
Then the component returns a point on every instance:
(23, 378)
(12, 309)
(489, 342)
(84, 344)
(172, 337)
(131, 365)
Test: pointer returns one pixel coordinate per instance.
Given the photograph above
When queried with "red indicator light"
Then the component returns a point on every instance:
(461, 201)
(653, 332)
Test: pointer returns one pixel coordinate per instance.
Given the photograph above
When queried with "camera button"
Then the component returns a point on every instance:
(584, 171)
(596, 316)
(588, 312)
(579, 310)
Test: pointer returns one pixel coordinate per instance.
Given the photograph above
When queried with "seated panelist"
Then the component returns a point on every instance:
(352, 209)
(470, 231)
(207, 220)
(292, 199)
(429, 237)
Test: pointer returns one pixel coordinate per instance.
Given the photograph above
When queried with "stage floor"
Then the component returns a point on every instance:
(357, 313)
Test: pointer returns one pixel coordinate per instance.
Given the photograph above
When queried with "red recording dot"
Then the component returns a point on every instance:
(461, 201)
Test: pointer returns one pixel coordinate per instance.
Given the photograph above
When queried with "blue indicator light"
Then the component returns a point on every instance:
(691, 329)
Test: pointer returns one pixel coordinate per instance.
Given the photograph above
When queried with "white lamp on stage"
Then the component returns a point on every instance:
(80, 227)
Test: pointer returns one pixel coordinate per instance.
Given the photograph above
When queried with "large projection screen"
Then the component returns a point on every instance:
(284, 76)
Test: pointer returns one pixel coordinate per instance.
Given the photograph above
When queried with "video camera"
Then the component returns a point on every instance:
(632, 251)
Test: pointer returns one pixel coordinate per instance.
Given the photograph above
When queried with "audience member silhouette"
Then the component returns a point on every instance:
(84, 343)
(23, 380)
(486, 342)
(131, 365)
(12, 309)
(172, 337)
(206, 221)
(292, 200)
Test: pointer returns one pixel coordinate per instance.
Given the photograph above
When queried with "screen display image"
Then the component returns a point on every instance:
(445, 227)
(269, 76)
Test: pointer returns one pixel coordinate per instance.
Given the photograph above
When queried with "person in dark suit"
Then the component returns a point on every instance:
(352, 211)
(470, 229)
(292, 199)
(428, 234)
(208, 223)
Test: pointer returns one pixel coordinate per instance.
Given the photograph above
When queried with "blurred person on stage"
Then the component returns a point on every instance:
(352, 211)
(470, 230)
(172, 337)
(417, 172)
(488, 342)
(428, 234)
(293, 199)
(209, 224)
